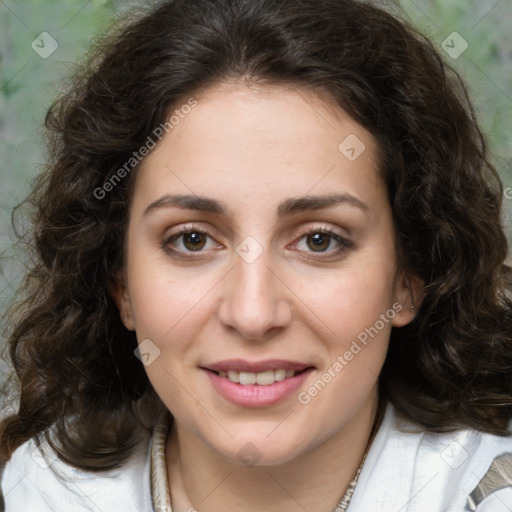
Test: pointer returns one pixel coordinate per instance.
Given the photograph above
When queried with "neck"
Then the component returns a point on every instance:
(202, 480)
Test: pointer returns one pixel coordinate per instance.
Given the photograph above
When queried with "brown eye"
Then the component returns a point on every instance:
(323, 241)
(189, 240)
(318, 242)
(194, 241)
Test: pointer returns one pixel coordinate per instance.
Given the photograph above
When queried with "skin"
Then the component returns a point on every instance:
(252, 149)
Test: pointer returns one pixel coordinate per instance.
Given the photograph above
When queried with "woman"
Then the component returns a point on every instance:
(269, 275)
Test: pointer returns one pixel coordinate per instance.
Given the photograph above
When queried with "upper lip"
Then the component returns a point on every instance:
(242, 365)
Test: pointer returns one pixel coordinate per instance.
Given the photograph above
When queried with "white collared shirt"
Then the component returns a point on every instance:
(404, 472)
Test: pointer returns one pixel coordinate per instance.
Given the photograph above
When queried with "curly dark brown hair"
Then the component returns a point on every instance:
(450, 367)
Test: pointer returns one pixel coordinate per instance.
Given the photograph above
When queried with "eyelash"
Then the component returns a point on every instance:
(344, 244)
(184, 231)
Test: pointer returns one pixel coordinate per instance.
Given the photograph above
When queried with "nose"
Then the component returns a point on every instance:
(256, 300)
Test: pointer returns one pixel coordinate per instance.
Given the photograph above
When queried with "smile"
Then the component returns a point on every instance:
(261, 379)
(257, 384)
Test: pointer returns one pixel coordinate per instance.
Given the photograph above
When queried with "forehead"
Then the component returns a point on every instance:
(259, 142)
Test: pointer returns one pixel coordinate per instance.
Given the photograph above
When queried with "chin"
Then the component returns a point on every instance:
(260, 450)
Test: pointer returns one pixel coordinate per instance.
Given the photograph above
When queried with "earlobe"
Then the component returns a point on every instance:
(409, 292)
(121, 297)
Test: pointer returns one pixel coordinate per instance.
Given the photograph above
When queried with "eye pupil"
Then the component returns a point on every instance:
(194, 241)
(319, 240)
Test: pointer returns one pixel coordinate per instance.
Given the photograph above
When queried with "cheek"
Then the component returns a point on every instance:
(358, 310)
(163, 299)
(353, 298)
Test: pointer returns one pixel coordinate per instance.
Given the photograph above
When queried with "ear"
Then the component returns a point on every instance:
(120, 295)
(409, 291)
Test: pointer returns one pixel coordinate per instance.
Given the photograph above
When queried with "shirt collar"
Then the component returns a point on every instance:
(160, 494)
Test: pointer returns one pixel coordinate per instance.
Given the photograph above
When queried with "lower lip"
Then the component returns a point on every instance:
(255, 395)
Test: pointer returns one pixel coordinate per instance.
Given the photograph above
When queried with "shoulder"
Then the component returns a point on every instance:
(35, 480)
(422, 471)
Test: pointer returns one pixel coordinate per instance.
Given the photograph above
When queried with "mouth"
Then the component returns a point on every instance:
(264, 378)
(257, 373)
(257, 384)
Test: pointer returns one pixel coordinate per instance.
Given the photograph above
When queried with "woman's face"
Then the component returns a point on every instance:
(260, 240)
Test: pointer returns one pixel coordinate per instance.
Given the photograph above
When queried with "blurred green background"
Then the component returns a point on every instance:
(30, 78)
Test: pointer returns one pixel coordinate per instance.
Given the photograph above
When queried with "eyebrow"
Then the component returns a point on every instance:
(288, 207)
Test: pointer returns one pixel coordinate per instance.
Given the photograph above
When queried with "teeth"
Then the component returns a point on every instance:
(247, 378)
(262, 378)
(233, 376)
(265, 378)
(280, 374)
